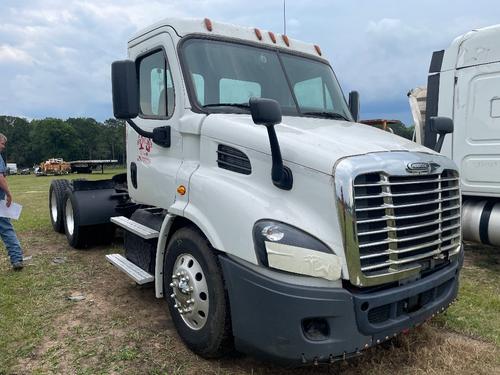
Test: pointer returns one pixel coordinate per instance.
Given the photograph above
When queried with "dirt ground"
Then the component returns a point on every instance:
(121, 328)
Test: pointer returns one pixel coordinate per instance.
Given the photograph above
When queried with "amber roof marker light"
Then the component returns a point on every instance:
(272, 36)
(286, 40)
(258, 33)
(318, 50)
(208, 24)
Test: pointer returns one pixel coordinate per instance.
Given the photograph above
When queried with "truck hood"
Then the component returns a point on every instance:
(311, 142)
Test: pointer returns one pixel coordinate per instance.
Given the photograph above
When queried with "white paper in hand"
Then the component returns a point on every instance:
(12, 212)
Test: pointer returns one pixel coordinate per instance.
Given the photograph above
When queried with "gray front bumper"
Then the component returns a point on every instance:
(267, 315)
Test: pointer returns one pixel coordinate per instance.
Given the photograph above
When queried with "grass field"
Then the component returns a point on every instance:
(120, 328)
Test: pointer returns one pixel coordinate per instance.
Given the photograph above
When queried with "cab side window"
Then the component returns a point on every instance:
(156, 89)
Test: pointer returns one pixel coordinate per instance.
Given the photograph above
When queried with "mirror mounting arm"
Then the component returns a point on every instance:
(280, 174)
(139, 131)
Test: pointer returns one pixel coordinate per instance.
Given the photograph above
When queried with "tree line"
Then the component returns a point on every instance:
(31, 142)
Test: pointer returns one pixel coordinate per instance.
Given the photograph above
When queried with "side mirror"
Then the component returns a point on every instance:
(354, 105)
(125, 89)
(442, 126)
(267, 112)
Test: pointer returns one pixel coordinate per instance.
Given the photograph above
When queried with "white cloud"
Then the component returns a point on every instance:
(10, 54)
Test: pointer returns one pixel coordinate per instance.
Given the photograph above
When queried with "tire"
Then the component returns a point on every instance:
(56, 197)
(78, 236)
(206, 329)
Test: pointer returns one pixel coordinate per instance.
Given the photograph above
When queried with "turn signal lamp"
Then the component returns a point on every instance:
(181, 189)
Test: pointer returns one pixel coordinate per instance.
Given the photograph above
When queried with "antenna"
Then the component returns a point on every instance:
(284, 17)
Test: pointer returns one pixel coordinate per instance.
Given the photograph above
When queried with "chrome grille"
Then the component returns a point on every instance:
(405, 221)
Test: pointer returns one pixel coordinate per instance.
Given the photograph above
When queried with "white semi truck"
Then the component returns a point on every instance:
(270, 220)
(464, 84)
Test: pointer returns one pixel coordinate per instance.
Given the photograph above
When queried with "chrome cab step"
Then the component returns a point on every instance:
(134, 272)
(135, 227)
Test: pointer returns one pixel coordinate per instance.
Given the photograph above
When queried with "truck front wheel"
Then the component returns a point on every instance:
(196, 298)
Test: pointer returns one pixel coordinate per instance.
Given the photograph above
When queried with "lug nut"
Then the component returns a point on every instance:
(172, 295)
(176, 306)
(191, 289)
(172, 285)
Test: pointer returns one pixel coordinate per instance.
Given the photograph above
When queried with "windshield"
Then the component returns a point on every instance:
(226, 75)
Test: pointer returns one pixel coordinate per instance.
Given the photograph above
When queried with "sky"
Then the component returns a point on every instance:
(55, 55)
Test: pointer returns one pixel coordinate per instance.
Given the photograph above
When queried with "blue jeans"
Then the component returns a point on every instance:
(10, 240)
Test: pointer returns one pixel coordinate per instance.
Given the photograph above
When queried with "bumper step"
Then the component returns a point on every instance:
(135, 227)
(136, 273)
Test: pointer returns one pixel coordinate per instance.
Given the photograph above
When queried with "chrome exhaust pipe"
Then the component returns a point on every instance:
(481, 221)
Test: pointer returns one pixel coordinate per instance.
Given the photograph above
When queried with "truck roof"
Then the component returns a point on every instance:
(186, 26)
(476, 47)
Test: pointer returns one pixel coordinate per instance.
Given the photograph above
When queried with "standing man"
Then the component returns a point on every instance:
(6, 230)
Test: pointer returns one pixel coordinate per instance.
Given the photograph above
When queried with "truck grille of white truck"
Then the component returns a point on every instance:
(405, 221)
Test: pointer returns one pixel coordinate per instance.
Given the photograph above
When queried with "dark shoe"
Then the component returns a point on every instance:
(17, 266)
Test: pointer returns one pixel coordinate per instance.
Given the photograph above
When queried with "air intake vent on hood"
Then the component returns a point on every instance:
(233, 160)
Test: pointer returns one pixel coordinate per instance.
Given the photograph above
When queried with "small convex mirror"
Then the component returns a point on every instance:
(441, 125)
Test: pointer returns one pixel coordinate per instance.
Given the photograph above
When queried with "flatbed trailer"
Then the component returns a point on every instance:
(86, 166)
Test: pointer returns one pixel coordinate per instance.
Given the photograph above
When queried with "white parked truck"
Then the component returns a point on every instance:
(464, 84)
(270, 220)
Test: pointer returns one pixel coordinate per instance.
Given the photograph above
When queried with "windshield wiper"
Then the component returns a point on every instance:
(332, 115)
(237, 105)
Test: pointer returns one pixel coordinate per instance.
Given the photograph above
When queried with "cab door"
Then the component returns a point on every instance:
(476, 139)
(152, 168)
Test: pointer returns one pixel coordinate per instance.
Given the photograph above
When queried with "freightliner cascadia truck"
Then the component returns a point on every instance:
(270, 220)
(464, 84)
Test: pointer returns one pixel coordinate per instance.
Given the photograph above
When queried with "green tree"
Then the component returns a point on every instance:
(17, 132)
(88, 131)
(54, 138)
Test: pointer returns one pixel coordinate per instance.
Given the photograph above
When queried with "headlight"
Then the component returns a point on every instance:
(287, 248)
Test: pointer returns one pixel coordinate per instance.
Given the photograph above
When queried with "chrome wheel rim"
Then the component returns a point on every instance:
(190, 291)
(53, 206)
(70, 222)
